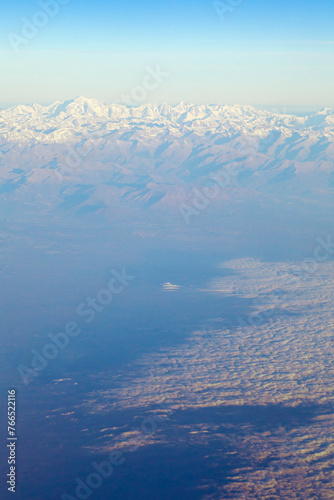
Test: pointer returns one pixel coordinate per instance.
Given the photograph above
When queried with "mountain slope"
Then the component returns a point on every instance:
(84, 153)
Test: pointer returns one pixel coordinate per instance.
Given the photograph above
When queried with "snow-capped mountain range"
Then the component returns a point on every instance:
(84, 153)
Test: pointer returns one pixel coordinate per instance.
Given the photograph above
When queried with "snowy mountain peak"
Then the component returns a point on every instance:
(63, 121)
(96, 154)
(78, 106)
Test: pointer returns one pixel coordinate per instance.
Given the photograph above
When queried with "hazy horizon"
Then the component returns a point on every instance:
(234, 51)
(274, 108)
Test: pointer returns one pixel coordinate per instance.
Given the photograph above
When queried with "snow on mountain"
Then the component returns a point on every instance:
(85, 152)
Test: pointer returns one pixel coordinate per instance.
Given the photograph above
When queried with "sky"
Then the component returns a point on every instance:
(202, 51)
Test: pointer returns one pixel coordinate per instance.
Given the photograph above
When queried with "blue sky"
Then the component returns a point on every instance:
(258, 52)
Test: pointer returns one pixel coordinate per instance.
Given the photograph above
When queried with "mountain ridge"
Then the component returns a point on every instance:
(158, 154)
